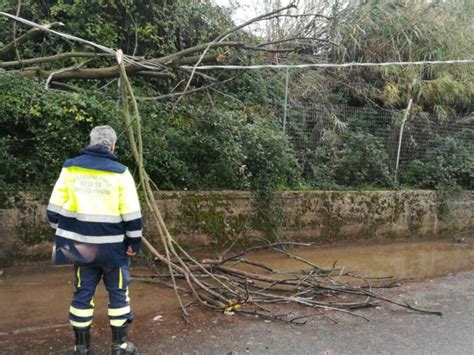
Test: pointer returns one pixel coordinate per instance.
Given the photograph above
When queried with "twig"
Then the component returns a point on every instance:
(291, 39)
(220, 39)
(256, 263)
(270, 50)
(63, 70)
(166, 96)
(307, 262)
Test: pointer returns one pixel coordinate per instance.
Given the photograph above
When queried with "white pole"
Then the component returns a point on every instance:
(285, 108)
(407, 113)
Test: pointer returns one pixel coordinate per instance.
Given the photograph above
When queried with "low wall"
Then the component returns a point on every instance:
(224, 218)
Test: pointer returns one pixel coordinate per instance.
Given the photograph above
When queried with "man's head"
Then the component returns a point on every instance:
(104, 136)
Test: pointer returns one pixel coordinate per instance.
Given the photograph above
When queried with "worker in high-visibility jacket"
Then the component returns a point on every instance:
(95, 211)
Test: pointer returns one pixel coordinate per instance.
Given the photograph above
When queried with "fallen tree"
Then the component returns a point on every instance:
(220, 283)
(161, 67)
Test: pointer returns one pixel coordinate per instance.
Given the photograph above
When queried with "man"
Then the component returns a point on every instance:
(95, 211)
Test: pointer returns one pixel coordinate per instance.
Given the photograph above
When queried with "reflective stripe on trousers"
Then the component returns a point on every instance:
(116, 281)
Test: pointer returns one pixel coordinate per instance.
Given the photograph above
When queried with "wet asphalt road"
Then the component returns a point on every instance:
(34, 306)
(390, 330)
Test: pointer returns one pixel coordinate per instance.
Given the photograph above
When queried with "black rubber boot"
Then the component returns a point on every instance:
(83, 341)
(120, 344)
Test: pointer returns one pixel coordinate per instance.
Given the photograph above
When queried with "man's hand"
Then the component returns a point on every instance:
(130, 252)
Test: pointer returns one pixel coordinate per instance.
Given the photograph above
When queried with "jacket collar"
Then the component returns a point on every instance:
(99, 151)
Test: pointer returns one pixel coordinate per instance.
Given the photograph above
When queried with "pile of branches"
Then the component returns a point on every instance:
(238, 284)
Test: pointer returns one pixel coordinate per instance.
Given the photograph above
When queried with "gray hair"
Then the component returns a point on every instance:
(104, 136)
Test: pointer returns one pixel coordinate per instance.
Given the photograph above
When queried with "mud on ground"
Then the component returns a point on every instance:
(35, 302)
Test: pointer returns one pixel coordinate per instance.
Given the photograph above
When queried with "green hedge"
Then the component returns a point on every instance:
(195, 148)
(40, 129)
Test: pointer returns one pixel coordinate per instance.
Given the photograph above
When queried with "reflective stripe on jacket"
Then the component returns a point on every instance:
(95, 210)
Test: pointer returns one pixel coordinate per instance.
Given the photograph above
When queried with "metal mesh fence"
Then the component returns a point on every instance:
(424, 132)
(309, 127)
(352, 146)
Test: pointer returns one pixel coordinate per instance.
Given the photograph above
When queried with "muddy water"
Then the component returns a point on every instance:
(34, 301)
(42, 296)
(34, 304)
(416, 260)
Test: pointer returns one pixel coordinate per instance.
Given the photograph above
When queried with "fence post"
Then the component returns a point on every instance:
(407, 113)
(285, 107)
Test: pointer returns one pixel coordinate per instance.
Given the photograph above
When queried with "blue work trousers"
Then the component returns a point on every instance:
(116, 282)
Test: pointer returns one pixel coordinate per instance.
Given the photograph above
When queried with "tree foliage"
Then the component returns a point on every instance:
(410, 31)
(230, 136)
(40, 129)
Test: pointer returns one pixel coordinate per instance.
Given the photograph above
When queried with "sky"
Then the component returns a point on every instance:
(246, 10)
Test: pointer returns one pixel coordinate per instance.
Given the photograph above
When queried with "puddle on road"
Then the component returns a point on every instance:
(417, 260)
(37, 298)
(32, 299)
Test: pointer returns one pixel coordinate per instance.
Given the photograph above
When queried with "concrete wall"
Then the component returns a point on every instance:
(219, 219)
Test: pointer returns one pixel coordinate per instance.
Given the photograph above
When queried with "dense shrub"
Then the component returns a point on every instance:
(318, 167)
(358, 160)
(40, 128)
(195, 148)
(449, 162)
(218, 148)
(362, 161)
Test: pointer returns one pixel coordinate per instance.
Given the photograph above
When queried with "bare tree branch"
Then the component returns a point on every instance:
(64, 86)
(91, 73)
(52, 58)
(63, 70)
(224, 36)
(255, 19)
(174, 58)
(300, 15)
(296, 39)
(208, 59)
(167, 96)
(271, 50)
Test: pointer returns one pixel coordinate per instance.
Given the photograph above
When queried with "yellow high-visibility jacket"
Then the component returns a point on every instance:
(95, 211)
